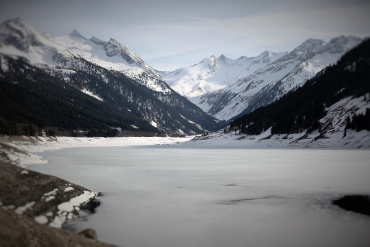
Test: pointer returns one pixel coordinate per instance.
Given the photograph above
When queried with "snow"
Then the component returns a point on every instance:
(41, 219)
(68, 189)
(66, 209)
(222, 196)
(240, 80)
(86, 91)
(109, 55)
(3, 65)
(154, 124)
(331, 140)
(28, 153)
(64, 51)
(213, 74)
(50, 195)
(76, 201)
(22, 209)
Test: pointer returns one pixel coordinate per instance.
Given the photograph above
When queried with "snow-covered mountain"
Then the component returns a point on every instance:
(260, 81)
(212, 73)
(331, 110)
(106, 70)
(21, 39)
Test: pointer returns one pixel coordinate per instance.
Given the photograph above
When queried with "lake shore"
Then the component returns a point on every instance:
(236, 186)
(34, 206)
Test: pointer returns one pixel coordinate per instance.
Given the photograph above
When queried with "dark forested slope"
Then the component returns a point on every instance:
(302, 109)
(31, 100)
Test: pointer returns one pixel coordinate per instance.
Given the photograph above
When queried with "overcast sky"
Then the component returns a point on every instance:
(168, 34)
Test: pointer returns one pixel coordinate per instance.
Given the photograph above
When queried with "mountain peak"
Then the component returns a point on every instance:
(18, 25)
(74, 33)
(222, 57)
(17, 22)
(311, 44)
(307, 49)
(114, 42)
(20, 34)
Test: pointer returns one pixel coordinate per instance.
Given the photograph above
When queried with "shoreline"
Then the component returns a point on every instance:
(34, 206)
(38, 199)
(39, 203)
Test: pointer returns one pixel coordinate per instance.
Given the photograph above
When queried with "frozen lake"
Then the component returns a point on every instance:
(175, 197)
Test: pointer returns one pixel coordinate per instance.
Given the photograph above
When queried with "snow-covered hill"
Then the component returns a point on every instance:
(259, 81)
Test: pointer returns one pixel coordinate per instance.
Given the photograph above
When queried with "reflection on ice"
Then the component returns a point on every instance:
(219, 197)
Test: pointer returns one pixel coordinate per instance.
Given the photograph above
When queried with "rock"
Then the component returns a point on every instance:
(89, 233)
(355, 203)
(91, 205)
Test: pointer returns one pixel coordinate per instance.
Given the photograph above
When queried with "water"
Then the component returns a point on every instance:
(177, 197)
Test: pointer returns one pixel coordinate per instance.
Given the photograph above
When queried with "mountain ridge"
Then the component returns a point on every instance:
(91, 65)
(264, 84)
(331, 110)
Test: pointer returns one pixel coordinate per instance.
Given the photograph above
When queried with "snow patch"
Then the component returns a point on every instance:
(154, 124)
(68, 189)
(41, 219)
(66, 209)
(85, 91)
(4, 65)
(50, 195)
(22, 209)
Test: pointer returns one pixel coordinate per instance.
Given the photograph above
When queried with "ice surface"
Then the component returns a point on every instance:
(185, 196)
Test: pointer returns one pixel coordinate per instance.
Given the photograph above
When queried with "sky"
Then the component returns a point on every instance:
(169, 34)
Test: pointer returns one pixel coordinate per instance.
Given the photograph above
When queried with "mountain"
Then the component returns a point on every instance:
(33, 102)
(103, 70)
(331, 110)
(263, 83)
(212, 73)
